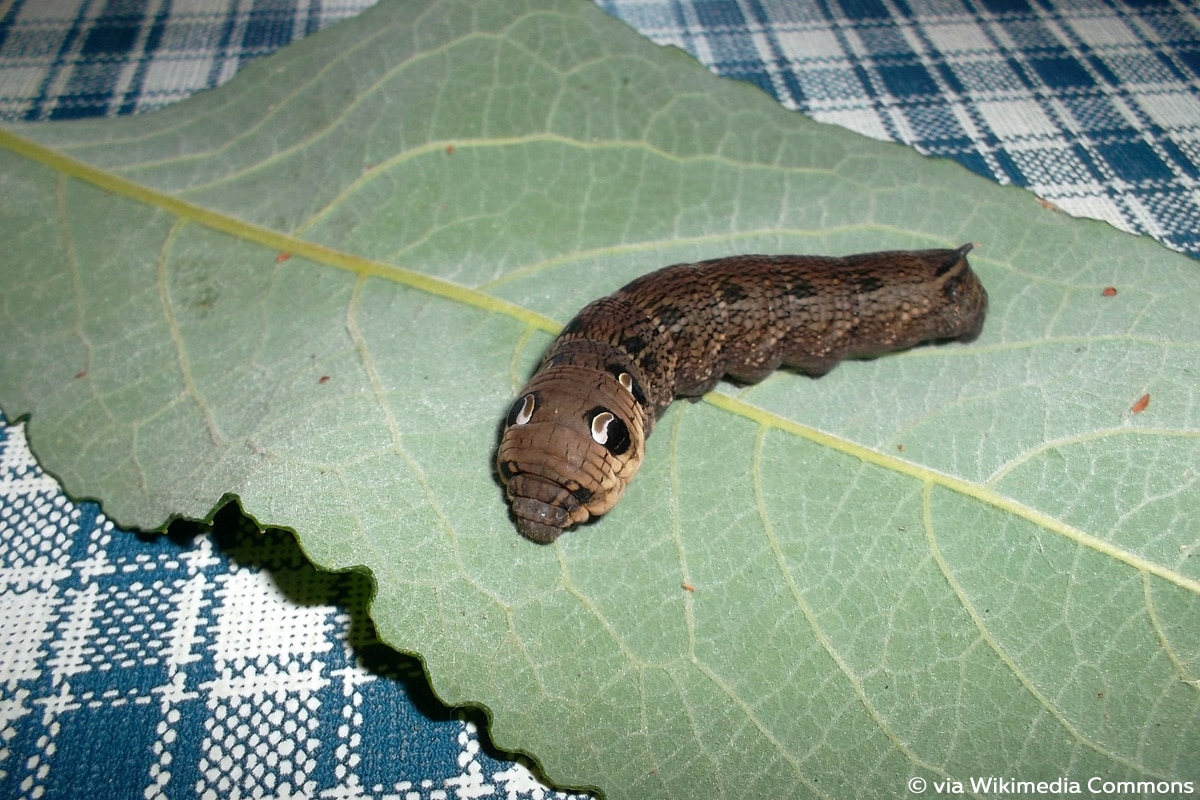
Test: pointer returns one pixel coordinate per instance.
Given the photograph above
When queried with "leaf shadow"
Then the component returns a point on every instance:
(277, 553)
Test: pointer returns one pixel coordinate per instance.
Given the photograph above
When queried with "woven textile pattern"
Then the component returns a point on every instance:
(215, 666)
(1093, 105)
(65, 60)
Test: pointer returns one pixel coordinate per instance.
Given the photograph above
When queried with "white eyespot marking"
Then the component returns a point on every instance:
(526, 410)
(627, 381)
(600, 424)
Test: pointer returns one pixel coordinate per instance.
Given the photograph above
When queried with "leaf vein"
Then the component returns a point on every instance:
(996, 647)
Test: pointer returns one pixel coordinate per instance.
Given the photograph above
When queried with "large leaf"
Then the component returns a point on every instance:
(318, 287)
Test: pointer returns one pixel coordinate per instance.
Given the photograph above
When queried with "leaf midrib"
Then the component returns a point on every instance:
(932, 477)
(365, 267)
(268, 238)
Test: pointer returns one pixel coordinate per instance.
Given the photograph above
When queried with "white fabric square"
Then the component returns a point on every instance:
(255, 621)
(811, 45)
(958, 37)
(862, 120)
(167, 77)
(1016, 119)
(1171, 109)
(26, 618)
(1102, 31)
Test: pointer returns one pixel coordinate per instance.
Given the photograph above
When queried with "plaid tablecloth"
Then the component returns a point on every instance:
(219, 664)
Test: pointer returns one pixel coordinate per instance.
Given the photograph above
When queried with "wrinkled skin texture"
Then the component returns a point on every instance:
(575, 435)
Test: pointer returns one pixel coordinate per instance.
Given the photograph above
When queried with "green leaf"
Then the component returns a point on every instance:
(318, 288)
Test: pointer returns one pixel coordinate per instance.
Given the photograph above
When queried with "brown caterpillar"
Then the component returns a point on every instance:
(574, 437)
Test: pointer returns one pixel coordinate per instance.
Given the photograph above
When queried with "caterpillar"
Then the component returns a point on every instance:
(575, 435)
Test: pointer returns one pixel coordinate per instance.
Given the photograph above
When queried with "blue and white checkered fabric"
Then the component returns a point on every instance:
(1092, 104)
(213, 665)
(75, 58)
(221, 665)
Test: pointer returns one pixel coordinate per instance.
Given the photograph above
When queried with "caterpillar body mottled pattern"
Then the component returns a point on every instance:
(575, 435)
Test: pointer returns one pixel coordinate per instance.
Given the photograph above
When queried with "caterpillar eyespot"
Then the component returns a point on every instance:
(609, 431)
(600, 427)
(522, 410)
(626, 380)
(575, 436)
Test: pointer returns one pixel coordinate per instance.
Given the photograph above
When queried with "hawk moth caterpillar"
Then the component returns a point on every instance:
(575, 435)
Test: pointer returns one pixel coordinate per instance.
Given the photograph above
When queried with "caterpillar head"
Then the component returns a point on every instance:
(572, 440)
